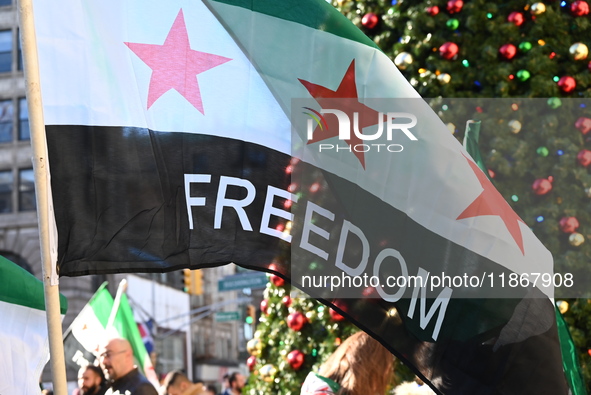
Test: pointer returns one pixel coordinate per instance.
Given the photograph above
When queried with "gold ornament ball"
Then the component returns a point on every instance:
(576, 239)
(403, 60)
(538, 8)
(268, 372)
(579, 51)
(254, 347)
(562, 306)
(514, 126)
(451, 127)
(257, 334)
(444, 78)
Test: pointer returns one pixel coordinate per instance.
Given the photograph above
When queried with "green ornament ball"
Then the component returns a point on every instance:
(543, 151)
(523, 75)
(452, 24)
(554, 102)
(525, 46)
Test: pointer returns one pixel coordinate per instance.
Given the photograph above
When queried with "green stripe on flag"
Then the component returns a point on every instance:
(317, 14)
(18, 286)
(570, 362)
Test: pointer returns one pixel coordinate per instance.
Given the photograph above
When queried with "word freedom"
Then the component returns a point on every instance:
(312, 231)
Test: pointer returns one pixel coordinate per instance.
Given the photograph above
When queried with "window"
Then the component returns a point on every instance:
(23, 120)
(6, 111)
(26, 190)
(19, 55)
(5, 51)
(6, 181)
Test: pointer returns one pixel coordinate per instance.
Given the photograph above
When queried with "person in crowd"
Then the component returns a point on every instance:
(177, 383)
(236, 382)
(225, 383)
(359, 366)
(91, 381)
(117, 363)
(210, 390)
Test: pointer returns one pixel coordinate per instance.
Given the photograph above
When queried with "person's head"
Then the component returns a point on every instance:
(210, 390)
(361, 365)
(176, 382)
(236, 382)
(225, 383)
(117, 358)
(90, 379)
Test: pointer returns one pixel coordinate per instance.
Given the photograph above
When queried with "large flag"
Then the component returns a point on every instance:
(23, 333)
(89, 331)
(197, 133)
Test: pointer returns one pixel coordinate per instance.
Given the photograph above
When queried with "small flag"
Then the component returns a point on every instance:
(23, 334)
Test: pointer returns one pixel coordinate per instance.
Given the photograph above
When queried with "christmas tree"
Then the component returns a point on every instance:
(293, 337)
(537, 150)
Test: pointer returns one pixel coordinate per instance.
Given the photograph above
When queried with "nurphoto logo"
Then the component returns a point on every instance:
(348, 126)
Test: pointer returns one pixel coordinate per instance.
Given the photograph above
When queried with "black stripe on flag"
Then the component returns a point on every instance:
(121, 206)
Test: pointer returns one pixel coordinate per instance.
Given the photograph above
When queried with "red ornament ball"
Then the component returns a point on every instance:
(250, 362)
(286, 300)
(542, 186)
(508, 51)
(583, 124)
(296, 359)
(567, 84)
(277, 281)
(454, 6)
(579, 8)
(265, 306)
(370, 20)
(516, 18)
(584, 157)
(336, 316)
(449, 50)
(568, 224)
(433, 10)
(296, 321)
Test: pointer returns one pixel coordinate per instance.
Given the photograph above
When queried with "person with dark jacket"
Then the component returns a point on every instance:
(117, 363)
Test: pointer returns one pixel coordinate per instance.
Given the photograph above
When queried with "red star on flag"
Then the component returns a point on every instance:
(491, 202)
(175, 65)
(347, 90)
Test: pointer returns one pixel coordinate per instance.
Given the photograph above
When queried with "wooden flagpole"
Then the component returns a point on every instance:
(42, 189)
